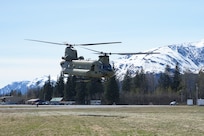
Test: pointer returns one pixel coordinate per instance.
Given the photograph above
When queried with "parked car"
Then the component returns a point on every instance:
(173, 103)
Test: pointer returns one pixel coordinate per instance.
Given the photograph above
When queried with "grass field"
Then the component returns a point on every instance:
(101, 121)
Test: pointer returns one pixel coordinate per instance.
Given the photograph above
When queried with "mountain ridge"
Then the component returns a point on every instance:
(189, 56)
(23, 86)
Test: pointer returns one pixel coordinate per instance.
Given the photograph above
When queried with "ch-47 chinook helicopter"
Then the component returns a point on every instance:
(77, 66)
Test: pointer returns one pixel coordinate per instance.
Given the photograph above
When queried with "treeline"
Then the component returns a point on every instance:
(79, 90)
(162, 88)
(141, 88)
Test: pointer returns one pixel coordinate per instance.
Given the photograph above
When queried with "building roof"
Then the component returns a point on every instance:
(33, 100)
(56, 99)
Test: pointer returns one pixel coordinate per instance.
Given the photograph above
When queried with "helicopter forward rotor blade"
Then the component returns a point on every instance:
(89, 44)
(97, 43)
(46, 42)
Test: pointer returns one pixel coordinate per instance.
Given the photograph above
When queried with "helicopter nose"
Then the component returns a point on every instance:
(108, 73)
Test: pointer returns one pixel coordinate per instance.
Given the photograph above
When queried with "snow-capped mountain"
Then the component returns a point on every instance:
(23, 86)
(189, 56)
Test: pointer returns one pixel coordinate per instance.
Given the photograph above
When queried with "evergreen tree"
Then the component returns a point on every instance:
(81, 92)
(140, 82)
(143, 82)
(112, 91)
(165, 80)
(15, 93)
(126, 84)
(67, 89)
(136, 81)
(34, 93)
(47, 90)
(151, 82)
(95, 89)
(59, 87)
(189, 81)
(200, 84)
(70, 88)
(176, 83)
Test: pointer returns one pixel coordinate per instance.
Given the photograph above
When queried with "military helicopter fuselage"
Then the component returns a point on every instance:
(72, 65)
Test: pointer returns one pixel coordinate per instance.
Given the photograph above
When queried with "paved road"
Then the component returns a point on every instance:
(72, 106)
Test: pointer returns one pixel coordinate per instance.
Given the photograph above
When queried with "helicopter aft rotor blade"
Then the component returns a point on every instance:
(137, 53)
(97, 52)
(134, 53)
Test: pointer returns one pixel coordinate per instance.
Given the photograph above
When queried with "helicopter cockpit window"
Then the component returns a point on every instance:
(107, 67)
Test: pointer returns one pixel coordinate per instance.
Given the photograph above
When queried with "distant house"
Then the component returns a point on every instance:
(11, 100)
(56, 100)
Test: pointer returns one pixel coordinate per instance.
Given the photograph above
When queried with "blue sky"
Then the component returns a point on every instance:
(139, 24)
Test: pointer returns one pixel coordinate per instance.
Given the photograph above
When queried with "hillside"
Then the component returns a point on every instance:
(23, 86)
(190, 57)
